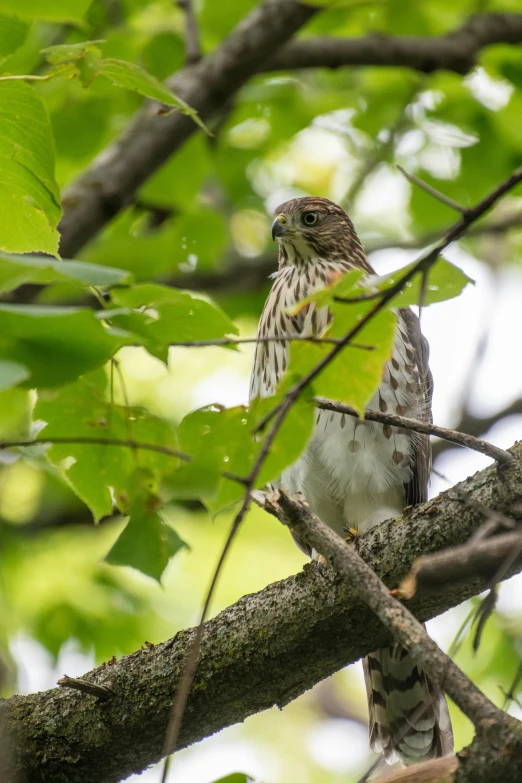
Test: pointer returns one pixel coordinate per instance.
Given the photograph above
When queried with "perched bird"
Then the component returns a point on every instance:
(356, 474)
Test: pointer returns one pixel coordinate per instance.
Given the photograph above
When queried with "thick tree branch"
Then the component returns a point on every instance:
(456, 51)
(114, 176)
(266, 649)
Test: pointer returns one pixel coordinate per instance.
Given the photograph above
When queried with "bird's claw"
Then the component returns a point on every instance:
(351, 533)
(320, 562)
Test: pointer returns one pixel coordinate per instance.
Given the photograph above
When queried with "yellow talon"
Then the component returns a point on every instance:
(320, 561)
(351, 533)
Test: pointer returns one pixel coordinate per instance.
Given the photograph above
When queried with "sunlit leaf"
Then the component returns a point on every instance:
(223, 440)
(169, 316)
(11, 374)
(13, 32)
(445, 281)
(147, 543)
(236, 777)
(132, 77)
(56, 344)
(101, 475)
(17, 270)
(50, 10)
(29, 196)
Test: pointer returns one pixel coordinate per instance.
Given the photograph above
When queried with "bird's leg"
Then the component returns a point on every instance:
(321, 564)
(351, 533)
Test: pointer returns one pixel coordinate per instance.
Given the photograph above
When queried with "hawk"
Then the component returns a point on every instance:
(356, 474)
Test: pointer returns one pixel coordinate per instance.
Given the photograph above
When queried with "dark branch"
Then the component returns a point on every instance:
(462, 563)
(452, 436)
(267, 649)
(455, 51)
(113, 178)
(477, 425)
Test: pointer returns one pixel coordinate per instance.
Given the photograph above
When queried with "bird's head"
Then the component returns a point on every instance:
(309, 228)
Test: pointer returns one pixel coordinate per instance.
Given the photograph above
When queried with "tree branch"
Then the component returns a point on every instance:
(115, 175)
(452, 436)
(455, 51)
(110, 182)
(267, 649)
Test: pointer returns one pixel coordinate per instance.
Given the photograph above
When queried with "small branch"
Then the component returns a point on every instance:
(131, 444)
(459, 438)
(463, 563)
(476, 425)
(178, 709)
(510, 696)
(102, 692)
(192, 45)
(449, 202)
(455, 51)
(224, 341)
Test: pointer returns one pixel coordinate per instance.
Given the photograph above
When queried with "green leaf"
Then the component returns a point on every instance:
(17, 270)
(95, 470)
(354, 375)
(70, 53)
(445, 281)
(56, 344)
(222, 440)
(147, 543)
(29, 196)
(50, 10)
(132, 77)
(173, 316)
(236, 777)
(13, 33)
(11, 374)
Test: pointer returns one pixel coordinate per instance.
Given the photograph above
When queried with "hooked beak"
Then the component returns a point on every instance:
(279, 227)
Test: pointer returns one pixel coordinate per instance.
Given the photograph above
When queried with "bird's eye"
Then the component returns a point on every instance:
(310, 218)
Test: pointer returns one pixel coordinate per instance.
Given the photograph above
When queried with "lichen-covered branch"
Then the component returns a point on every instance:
(266, 649)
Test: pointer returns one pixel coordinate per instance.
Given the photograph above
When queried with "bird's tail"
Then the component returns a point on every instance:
(409, 718)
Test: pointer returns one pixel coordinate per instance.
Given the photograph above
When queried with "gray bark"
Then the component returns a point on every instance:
(264, 650)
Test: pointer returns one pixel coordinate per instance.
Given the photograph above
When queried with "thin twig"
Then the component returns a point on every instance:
(192, 45)
(488, 604)
(496, 556)
(102, 692)
(509, 697)
(183, 691)
(460, 438)
(222, 341)
(449, 202)
(131, 444)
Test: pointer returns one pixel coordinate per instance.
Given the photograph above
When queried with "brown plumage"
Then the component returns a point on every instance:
(356, 474)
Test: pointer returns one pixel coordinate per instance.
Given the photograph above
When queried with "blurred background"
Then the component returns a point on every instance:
(203, 223)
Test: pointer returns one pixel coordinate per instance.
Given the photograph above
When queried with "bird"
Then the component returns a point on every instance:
(355, 474)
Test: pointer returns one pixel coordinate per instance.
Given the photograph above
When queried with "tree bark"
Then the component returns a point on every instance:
(265, 650)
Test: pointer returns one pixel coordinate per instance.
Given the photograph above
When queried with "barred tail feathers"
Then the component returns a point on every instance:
(409, 718)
